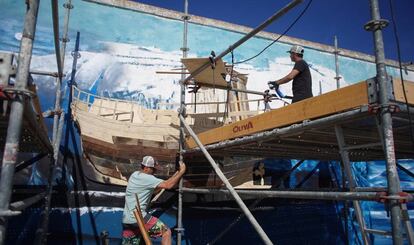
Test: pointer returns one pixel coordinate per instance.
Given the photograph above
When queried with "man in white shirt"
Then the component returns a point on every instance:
(144, 183)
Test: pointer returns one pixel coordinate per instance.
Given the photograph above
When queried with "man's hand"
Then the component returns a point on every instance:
(182, 167)
(273, 85)
(175, 178)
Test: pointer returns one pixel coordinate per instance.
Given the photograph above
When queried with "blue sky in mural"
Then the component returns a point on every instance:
(320, 23)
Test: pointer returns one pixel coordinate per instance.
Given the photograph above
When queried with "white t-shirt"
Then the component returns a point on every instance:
(143, 185)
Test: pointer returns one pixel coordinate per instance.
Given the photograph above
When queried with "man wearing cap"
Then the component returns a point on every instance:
(143, 183)
(300, 74)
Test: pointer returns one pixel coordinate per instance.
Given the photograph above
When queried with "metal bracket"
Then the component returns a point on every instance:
(372, 90)
(182, 111)
(179, 230)
(375, 108)
(401, 197)
(68, 5)
(375, 25)
(6, 68)
(65, 40)
(25, 92)
(75, 54)
(186, 17)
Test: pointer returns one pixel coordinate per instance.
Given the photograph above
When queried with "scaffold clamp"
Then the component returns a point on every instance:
(25, 92)
(179, 230)
(401, 197)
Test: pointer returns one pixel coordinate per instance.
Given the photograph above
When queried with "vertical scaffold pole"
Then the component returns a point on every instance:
(347, 168)
(376, 25)
(68, 5)
(185, 49)
(223, 178)
(41, 233)
(336, 52)
(16, 113)
(57, 109)
(60, 60)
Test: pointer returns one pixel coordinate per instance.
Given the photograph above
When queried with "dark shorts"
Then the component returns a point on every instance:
(132, 235)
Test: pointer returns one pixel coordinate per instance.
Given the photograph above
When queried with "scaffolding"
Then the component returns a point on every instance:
(338, 130)
(26, 132)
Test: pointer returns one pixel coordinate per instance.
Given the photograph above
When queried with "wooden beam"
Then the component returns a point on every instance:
(399, 92)
(326, 104)
(141, 222)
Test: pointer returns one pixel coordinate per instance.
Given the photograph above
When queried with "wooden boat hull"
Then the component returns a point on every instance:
(114, 163)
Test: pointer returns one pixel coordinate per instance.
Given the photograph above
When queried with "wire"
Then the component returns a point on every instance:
(397, 41)
(277, 39)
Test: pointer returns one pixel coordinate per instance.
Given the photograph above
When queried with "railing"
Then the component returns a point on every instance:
(109, 110)
(219, 114)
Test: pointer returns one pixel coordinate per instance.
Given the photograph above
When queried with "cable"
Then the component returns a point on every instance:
(277, 39)
(397, 41)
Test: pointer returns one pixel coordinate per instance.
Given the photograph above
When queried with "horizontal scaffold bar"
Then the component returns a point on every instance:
(313, 195)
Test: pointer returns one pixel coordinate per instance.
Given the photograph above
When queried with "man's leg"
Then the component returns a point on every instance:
(159, 229)
(166, 237)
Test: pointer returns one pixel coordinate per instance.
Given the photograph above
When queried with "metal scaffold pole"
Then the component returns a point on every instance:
(68, 5)
(60, 60)
(59, 117)
(351, 182)
(223, 178)
(16, 113)
(57, 109)
(336, 52)
(185, 49)
(376, 25)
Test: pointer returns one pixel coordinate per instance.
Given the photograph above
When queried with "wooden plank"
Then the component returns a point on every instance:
(126, 151)
(221, 114)
(173, 145)
(140, 221)
(208, 77)
(399, 94)
(326, 104)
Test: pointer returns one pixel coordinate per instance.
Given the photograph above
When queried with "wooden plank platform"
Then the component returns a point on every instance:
(305, 130)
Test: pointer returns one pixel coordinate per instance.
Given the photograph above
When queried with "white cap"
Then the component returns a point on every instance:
(149, 161)
(296, 49)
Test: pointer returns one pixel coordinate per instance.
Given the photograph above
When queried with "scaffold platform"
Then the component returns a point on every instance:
(306, 130)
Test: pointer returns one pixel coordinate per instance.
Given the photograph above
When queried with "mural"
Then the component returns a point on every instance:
(121, 50)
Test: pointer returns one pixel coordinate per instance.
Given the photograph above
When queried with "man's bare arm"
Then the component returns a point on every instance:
(173, 180)
(288, 77)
